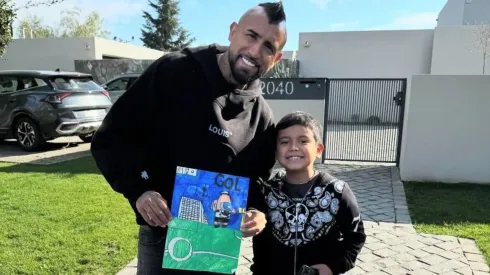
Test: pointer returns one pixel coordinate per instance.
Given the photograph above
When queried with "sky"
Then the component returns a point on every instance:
(209, 20)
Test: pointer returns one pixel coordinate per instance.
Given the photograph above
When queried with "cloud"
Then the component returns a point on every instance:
(343, 25)
(113, 12)
(422, 20)
(320, 3)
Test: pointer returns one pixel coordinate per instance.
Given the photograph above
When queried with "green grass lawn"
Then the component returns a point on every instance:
(63, 219)
(460, 210)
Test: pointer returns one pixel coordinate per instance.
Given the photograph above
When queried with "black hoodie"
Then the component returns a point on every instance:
(324, 224)
(182, 112)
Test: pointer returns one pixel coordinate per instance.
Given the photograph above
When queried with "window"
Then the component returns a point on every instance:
(74, 83)
(8, 84)
(118, 84)
(30, 82)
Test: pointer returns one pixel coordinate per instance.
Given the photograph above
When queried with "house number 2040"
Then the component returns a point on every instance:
(283, 87)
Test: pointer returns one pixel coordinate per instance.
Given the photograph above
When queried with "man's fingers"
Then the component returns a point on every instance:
(146, 217)
(156, 214)
(154, 209)
(162, 204)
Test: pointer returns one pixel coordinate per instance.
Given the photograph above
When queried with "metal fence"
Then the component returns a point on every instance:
(364, 119)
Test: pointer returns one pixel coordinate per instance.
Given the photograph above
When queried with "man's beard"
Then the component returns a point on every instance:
(239, 77)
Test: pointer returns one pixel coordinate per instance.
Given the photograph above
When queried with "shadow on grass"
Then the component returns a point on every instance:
(443, 204)
(84, 165)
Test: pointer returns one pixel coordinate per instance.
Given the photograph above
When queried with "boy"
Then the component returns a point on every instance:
(312, 217)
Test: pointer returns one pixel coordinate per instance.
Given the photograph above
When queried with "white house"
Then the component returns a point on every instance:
(462, 12)
(53, 53)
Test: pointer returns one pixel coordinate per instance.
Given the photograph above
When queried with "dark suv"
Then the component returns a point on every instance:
(36, 106)
(119, 84)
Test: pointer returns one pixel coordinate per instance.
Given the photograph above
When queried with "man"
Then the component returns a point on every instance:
(199, 108)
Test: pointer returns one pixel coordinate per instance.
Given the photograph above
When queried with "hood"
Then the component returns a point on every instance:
(206, 57)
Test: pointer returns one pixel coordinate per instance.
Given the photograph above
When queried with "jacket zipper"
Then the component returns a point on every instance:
(296, 216)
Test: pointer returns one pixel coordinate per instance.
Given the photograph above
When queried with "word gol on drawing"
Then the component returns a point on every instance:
(228, 182)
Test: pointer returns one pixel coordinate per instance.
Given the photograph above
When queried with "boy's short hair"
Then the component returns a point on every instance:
(304, 119)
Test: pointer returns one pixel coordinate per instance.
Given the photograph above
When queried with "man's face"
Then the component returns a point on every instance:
(256, 46)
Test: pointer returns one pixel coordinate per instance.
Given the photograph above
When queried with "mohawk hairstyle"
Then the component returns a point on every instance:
(275, 11)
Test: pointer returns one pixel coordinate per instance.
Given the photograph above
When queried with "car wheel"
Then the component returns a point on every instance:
(28, 135)
(86, 138)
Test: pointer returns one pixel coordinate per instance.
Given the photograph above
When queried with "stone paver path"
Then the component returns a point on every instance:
(392, 245)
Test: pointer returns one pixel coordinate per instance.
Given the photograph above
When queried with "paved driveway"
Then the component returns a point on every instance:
(57, 150)
(392, 245)
(361, 142)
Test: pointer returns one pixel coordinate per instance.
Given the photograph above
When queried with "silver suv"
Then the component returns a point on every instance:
(36, 106)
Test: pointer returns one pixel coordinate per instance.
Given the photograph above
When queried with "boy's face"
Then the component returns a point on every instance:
(297, 149)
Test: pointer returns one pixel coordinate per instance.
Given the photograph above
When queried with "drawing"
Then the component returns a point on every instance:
(208, 210)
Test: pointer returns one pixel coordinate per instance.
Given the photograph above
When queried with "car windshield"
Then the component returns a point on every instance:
(74, 83)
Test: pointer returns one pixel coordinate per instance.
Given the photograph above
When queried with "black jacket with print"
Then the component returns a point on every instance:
(329, 228)
(182, 112)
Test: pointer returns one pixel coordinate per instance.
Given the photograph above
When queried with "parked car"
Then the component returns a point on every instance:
(37, 106)
(119, 84)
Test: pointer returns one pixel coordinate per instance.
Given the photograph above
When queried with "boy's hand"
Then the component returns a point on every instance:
(322, 269)
(254, 223)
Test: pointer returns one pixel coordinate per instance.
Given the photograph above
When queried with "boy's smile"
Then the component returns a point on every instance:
(297, 150)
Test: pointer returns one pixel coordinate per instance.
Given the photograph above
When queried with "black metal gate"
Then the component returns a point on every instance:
(364, 119)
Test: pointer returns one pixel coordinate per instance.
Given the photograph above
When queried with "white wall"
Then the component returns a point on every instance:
(117, 49)
(288, 54)
(454, 51)
(46, 53)
(53, 53)
(446, 132)
(462, 12)
(365, 54)
(452, 13)
(281, 108)
(476, 12)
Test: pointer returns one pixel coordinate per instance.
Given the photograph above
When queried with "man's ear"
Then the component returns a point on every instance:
(233, 27)
(278, 57)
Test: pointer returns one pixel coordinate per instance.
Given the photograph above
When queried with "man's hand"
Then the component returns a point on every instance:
(322, 269)
(154, 209)
(254, 223)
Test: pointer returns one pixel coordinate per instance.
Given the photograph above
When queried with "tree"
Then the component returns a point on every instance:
(7, 15)
(32, 24)
(33, 4)
(164, 32)
(70, 25)
(482, 42)
(285, 68)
